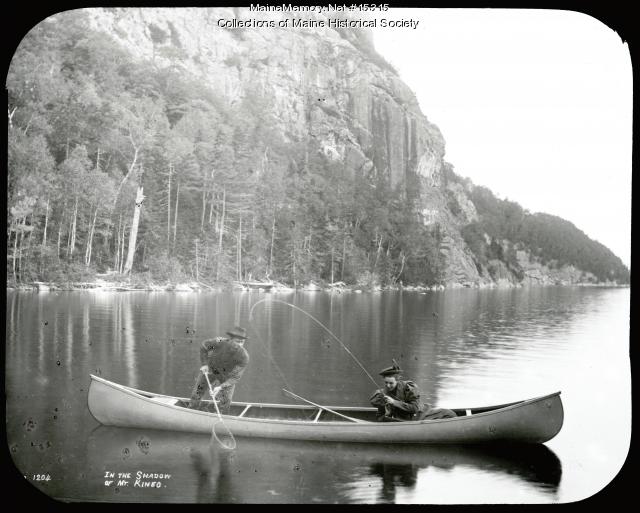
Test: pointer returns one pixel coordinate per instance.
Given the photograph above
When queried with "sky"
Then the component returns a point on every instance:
(536, 105)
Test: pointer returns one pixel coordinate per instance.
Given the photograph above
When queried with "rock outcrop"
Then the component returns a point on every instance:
(324, 82)
(536, 273)
(327, 84)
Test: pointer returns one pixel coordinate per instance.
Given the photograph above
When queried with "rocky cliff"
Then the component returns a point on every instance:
(327, 84)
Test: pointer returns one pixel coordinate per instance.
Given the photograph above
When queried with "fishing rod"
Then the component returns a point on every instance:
(321, 324)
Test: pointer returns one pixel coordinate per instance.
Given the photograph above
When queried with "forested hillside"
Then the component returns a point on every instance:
(95, 136)
(503, 227)
(133, 164)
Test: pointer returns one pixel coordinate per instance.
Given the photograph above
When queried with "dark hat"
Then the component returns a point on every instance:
(238, 332)
(391, 371)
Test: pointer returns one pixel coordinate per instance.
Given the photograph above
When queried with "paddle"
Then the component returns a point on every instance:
(323, 407)
(227, 432)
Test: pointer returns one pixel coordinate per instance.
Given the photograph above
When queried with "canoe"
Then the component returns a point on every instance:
(255, 284)
(530, 421)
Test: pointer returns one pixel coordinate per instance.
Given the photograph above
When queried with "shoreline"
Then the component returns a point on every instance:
(274, 287)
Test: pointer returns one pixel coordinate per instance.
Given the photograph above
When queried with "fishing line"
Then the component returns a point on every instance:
(268, 352)
(327, 329)
(239, 306)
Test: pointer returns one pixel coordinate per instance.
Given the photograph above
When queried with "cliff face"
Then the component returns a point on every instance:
(322, 83)
(329, 84)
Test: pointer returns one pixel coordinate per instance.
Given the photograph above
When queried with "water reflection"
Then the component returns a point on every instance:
(482, 347)
(126, 340)
(213, 468)
(283, 471)
(394, 476)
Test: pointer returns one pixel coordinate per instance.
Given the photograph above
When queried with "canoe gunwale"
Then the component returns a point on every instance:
(499, 409)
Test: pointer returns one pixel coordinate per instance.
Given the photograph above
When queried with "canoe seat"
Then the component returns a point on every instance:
(165, 400)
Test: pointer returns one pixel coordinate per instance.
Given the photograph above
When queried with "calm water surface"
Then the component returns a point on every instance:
(464, 348)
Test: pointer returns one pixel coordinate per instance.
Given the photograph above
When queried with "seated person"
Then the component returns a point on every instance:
(400, 400)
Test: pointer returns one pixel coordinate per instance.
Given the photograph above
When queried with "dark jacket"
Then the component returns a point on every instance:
(408, 393)
(226, 359)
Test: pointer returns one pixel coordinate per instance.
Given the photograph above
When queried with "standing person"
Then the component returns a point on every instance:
(224, 360)
(400, 400)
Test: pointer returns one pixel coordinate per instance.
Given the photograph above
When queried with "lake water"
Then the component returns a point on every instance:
(464, 348)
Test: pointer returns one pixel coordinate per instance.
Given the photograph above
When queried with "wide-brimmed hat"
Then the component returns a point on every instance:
(394, 370)
(238, 332)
